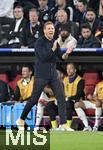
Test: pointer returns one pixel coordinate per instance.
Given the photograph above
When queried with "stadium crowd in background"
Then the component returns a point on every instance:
(73, 12)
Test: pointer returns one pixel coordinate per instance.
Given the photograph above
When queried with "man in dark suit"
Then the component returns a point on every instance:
(16, 28)
(32, 30)
(46, 74)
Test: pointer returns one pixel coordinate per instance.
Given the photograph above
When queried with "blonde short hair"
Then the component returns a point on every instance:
(48, 23)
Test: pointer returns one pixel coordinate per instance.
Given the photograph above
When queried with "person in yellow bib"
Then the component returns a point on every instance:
(24, 86)
(74, 90)
(52, 105)
(98, 96)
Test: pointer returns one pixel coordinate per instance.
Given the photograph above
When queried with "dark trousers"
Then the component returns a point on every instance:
(53, 110)
(70, 109)
(58, 91)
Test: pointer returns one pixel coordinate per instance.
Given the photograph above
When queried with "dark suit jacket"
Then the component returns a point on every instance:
(45, 59)
(12, 34)
(91, 42)
(28, 38)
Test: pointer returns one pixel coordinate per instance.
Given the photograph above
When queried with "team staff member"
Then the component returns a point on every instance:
(98, 96)
(32, 30)
(74, 90)
(25, 84)
(45, 72)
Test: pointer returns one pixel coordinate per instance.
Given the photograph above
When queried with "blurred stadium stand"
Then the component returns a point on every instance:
(91, 79)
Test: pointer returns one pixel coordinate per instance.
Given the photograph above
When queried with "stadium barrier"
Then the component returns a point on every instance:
(84, 49)
(10, 112)
(7, 115)
(62, 49)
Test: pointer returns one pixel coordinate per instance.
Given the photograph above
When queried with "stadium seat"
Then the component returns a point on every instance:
(13, 83)
(4, 77)
(18, 77)
(89, 89)
(90, 112)
(91, 79)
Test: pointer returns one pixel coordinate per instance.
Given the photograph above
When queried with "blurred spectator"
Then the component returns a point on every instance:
(44, 11)
(80, 11)
(32, 30)
(5, 92)
(74, 90)
(16, 28)
(66, 40)
(6, 17)
(94, 4)
(70, 2)
(6, 11)
(61, 4)
(27, 5)
(87, 39)
(62, 18)
(99, 34)
(92, 20)
(101, 10)
(1, 43)
(35, 2)
(25, 84)
(51, 3)
(98, 96)
(74, 2)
